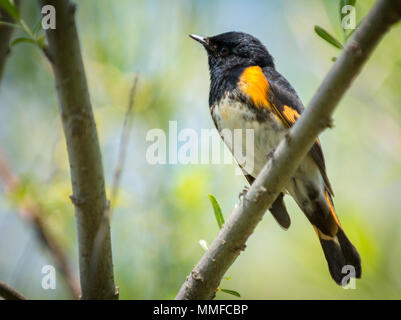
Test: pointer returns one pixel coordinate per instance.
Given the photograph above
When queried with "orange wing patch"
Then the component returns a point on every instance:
(254, 84)
(290, 114)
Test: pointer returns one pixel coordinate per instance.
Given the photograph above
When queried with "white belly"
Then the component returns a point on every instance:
(233, 119)
(306, 186)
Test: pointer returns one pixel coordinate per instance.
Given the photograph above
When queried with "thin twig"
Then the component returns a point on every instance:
(8, 293)
(123, 147)
(207, 274)
(117, 172)
(31, 211)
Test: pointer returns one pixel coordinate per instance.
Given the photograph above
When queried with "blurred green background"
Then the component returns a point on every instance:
(163, 210)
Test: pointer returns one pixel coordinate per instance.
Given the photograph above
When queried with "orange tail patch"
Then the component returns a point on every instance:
(321, 235)
(331, 207)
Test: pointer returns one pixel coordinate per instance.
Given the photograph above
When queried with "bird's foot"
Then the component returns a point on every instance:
(270, 154)
(243, 193)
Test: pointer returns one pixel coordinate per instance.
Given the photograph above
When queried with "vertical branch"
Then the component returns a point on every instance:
(89, 196)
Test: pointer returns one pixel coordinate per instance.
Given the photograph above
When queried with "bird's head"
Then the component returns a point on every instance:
(234, 49)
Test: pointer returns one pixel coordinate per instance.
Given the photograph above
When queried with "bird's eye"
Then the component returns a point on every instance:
(224, 51)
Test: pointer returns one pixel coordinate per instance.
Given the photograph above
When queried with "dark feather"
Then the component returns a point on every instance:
(283, 94)
(278, 209)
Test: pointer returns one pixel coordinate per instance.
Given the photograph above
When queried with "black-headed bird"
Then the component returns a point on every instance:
(247, 92)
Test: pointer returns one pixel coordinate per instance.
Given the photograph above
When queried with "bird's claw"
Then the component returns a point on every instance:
(270, 154)
(243, 193)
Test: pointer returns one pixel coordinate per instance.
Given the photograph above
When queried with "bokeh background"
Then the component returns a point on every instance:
(163, 210)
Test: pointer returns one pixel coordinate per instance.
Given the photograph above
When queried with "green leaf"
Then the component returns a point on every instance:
(41, 40)
(204, 245)
(352, 31)
(38, 26)
(345, 3)
(217, 211)
(22, 39)
(234, 293)
(10, 8)
(8, 24)
(227, 278)
(342, 15)
(329, 38)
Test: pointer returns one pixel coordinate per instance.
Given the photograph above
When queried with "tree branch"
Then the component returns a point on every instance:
(30, 210)
(123, 147)
(207, 274)
(117, 174)
(89, 196)
(5, 36)
(8, 293)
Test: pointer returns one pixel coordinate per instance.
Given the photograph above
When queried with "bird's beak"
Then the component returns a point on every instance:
(200, 39)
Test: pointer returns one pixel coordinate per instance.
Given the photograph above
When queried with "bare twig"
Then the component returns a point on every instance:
(117, 173)
(207, 274)
(29, 210)
(89, 196)
(8, 293)
(123, 146)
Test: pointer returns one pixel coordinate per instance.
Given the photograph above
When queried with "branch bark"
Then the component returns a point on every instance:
(207, 274)
(8, 293)
(5, 36)
(89, 196)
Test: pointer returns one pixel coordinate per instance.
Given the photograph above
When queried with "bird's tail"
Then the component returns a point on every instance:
(338, 249)
(340, 253)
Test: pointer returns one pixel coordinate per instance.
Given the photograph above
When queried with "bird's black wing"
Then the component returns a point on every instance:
(288, 106)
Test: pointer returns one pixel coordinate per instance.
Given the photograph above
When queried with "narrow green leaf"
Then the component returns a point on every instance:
(38, 26)
(352, 31)
(345, 3)
(8, 24)
(234, 293)
(342, 15)
(22, 39)
(329, 38)
(41, 40)
(10, 8)
(217, 211)
(204, 245)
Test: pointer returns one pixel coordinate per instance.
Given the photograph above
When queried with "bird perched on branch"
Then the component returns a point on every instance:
(247, 92)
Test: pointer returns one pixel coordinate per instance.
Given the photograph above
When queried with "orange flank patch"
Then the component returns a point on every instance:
(332, 211)
(290, 114)
(254, 84)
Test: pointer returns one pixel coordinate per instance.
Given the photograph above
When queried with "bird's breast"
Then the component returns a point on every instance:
(249, 133)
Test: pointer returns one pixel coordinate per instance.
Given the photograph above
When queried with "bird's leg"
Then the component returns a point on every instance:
(270, 154)
(243, 193)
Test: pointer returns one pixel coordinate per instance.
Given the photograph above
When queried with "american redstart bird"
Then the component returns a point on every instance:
(247, 92)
